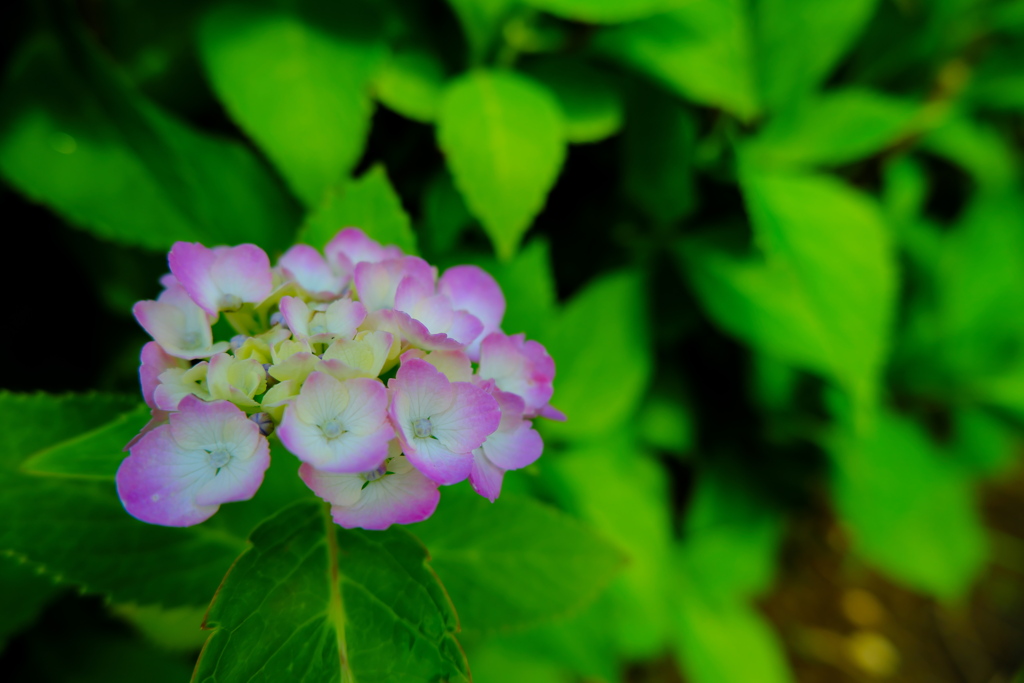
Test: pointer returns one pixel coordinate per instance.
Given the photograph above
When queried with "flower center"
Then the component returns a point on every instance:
(374, 475)
(422, 428)
(331, 429)
(230, 302)
(219, 458)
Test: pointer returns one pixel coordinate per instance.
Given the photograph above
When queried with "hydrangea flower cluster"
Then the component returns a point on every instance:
(383, 379)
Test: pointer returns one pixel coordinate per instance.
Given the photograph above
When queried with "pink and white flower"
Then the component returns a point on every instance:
(181, 472)
(338, 426)
(439, 422)
(394, 493)
(224, 278)
(178, 325)
(473, 290)
(351, 246)
(340, 318)
(514, 445)
(306, 266)
(520, 367)
(377, 283)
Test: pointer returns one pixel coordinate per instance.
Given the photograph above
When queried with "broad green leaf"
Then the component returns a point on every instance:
(95, 454)
(75, 137)
(515, 563)
(657, 153)
(600, 344)
(833, 129)
(730, 540)
(910, 510)
(605, 11)
(799, 42)
(76, 530)
(310, 601)
(25, 594)
(296, 77)
(982, 443)
(481, 22)
(821, 299)
(724, 641)
(701, 51)
(503, 137)
(173, 630)
(623, 493)
(368, 203)
(497, 663)
(410, 82)
(591, 104)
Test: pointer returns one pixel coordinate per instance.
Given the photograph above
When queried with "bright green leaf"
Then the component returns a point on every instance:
(515, 563)
(605, 11)
(296, 77)
(700, 51)
(833, 129)
(411, 82)
(600, 345)
(823, 297)
(910, 510)
(799, 42)
(345, 605)
(77, 530)
(665, 423)
(73, 136)
(591, 104)
(95, 454)
(445, 215)
(623, 493)
(724, 641)
(979, 149)
(503, 137)
(368, 203)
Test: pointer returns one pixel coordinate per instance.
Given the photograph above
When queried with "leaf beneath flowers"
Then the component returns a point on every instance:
(310, 601)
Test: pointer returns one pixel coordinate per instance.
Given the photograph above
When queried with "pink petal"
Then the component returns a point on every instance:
(171, 478)
(222, 278)
(377, 283)
(191, 264)
(486, 477)
(552, 413)
(419, 390)
(178, 325)
(472, 289)
(351, 245)
(472, 417)
(344, 317)
(438, 463)
(520, 367)
(307, 266)
(154, 362)
(296, 316)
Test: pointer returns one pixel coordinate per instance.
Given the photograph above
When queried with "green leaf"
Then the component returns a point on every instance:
(368, 203)
(77, 530)
(515, 563)
(75, 137)
(25, 595)
(341, 605)
(296, 77)
(600, 345)
(497, 663)
(820, 299)
(836, 128)
(666, 423)
(605, 11)
(982, 443)
(910, 510)
(411, 82)
(591, 104)
(977, 148)
(481, 22)
(657, 154)
(95, 454)
(724, 641)
(701, 51)
(799, 42)
(623, 493)
(504, 141)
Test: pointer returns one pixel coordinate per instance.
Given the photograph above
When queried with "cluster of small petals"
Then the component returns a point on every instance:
(315, 335)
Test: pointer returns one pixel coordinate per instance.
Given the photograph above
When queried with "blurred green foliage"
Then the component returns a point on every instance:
(776, 248)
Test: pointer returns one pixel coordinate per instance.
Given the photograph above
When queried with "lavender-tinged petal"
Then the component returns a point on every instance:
(485, 476)
(242, 274)
(472, 289)
(438, 463)
(306, 266)
(472, 417)
(192, 265)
